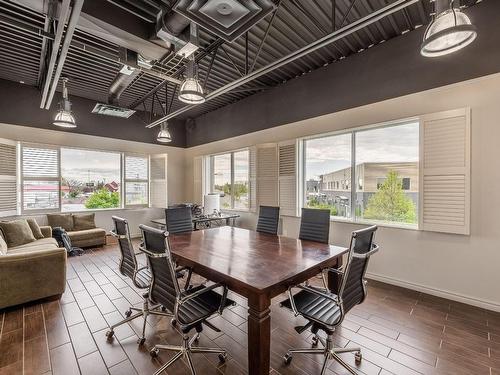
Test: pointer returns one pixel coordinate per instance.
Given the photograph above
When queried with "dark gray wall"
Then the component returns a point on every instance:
(20, 105)
(388, 70)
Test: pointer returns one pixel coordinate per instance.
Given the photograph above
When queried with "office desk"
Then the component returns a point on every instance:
(257, 266)
(203, 222)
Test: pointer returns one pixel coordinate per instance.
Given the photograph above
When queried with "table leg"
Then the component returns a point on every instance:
(259, 335)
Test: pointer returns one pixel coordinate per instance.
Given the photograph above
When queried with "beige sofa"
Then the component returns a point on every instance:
(32, 271)
(80, 228)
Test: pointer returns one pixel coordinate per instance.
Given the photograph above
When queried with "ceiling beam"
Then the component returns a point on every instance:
(320, 43)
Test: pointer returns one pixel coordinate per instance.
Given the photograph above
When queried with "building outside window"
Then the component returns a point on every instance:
(230, 178)
(386, 171)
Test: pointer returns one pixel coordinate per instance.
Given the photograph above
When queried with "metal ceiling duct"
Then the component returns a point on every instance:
(177, 31)
(320, 43)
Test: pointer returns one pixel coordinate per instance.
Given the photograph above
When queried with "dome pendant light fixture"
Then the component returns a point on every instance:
(450, 30)
(191, 91)
(164, 134)
(64, 117)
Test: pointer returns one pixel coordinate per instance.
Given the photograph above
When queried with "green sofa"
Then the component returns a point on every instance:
(80, 228)
(32, 271)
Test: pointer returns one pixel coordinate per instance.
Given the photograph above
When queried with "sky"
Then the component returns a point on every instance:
(85, 165)
(390, 144)
(222, 167)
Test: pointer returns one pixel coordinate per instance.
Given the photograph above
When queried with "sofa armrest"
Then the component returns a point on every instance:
(46, 231)
(28, 276)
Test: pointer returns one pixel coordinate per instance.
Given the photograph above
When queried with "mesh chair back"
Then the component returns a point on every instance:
(128, 262)
(164, 287)
(315, 225)
(179, 220)
(362, 247)
(268, 219)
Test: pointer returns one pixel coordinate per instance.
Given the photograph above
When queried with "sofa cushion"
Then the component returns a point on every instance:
(35, 229)
(17, 232)
(3, 246)
(83, 222)
(82, 235)
(38, 245)
(64, 221)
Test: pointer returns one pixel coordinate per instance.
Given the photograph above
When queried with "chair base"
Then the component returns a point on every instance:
(330, 354)
(144, 312)
(185, 350)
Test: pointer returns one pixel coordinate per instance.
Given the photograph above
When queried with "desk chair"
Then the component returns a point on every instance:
(268, 219)
(191, 308)
(179, 220)
(315, 225)
(141, 277)
(325, 310)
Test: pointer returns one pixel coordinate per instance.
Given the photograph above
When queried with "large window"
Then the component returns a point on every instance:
(384, 186)
(230, 178)
(90, 179)
(69, 179)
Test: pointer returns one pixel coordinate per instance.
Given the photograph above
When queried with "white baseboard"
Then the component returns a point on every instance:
(485, 304)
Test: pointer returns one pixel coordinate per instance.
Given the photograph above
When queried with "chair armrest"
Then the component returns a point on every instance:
(198, 293)
(46, 231)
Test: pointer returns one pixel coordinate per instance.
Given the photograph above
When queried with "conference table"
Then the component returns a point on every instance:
(257, 266)
(203, 221)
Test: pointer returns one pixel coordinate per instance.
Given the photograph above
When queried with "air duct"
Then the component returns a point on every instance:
(179, 32)
(125, 77)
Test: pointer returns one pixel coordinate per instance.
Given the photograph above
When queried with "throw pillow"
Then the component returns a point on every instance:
(17, 232)
(35, 228)
(83, 221)
(64, 221)
(3, 246)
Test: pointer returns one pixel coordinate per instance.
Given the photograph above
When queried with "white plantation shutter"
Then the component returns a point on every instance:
(252, 172)
(158, 181)
(198, 180)
(287, 177)
(136, 171)
(445, 172)
(267, 175)
(8, 181)
(40, 178)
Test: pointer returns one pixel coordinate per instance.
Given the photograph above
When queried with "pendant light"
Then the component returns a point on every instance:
(164, 134)
(191, 91)
(450, 30)
(64, 117)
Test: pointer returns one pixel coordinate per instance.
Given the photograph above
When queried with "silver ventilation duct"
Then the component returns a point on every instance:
(178, 32)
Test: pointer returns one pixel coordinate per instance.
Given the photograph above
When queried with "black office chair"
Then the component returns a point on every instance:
(268, 219)
(141, 277)
(325, 310)
(178, 220)
(191, 308)
(315, 225)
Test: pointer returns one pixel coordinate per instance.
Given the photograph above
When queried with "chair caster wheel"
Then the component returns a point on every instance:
(358, 357)
(163, 308)
(154, 352)
(141, 341)
(173, 322)
(128, 313)
(315, 341)
(287, 358)
(222, 357)
(110, 334)
(197, 337)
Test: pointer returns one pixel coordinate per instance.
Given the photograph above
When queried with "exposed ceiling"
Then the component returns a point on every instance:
(95, 55)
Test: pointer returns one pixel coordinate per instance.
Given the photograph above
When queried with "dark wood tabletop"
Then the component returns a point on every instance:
(257, 266)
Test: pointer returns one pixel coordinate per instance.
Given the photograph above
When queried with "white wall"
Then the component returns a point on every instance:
(465, 268)
(175, 167)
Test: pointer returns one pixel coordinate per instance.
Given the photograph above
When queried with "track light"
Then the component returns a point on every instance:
(449, 31)
(191, 91)
(64, 117)
(164, 134)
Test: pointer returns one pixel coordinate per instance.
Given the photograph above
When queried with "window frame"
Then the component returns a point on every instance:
(22, 179)
(211, 178)
(135, 180)
(353, 180)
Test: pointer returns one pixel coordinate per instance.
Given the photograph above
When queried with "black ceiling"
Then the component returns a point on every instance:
(295, 24)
